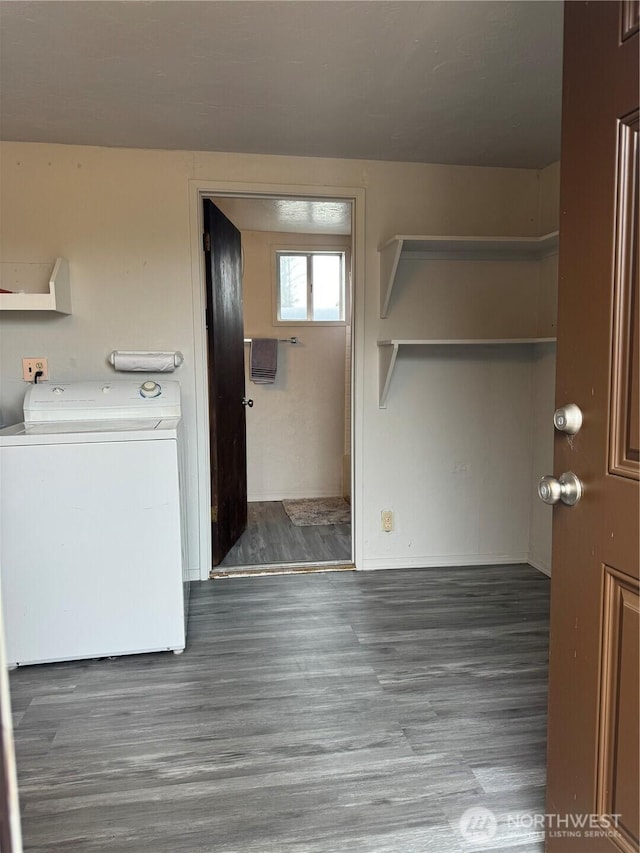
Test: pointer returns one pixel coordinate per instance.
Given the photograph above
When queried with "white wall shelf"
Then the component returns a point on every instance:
(458, 249)
(24, 276)
(388, 354)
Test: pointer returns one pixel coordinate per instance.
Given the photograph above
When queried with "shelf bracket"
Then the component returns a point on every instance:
(387, 355)
(60, 288)
(389, 259)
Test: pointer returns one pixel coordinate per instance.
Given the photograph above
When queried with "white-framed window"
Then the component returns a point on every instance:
(310, 286)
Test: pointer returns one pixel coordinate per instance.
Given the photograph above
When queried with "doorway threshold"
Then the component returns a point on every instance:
(280, 569)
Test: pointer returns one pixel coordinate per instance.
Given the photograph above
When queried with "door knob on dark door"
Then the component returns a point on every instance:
(567, 488)
(248, 402)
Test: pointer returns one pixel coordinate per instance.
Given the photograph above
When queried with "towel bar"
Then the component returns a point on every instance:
(293, 340)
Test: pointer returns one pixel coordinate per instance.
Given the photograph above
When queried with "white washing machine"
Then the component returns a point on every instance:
(92, 522)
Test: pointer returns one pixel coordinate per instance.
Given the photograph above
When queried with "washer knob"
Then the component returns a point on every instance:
(150, 389)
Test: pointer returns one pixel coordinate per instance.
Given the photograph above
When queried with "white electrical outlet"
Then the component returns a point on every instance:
(31, 366)
(387, 520)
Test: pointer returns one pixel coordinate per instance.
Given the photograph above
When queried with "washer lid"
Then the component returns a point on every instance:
(119, 425)
(129, 399)
(88, 432)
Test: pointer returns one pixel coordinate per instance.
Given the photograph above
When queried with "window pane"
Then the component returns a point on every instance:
(293, 287)
(327, 287)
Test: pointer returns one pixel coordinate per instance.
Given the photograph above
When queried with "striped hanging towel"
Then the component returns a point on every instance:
(264, 360)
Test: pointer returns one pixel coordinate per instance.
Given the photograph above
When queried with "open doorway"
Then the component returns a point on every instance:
(296, 290)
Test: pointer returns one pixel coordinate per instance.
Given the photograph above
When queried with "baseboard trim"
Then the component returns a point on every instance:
(378, 564)
(372, 565)
(536, 564)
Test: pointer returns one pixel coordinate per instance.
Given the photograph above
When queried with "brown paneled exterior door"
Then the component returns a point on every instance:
(593, 698)
(225, 342)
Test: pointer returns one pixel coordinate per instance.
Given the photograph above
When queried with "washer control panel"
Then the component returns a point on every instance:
(100, 400)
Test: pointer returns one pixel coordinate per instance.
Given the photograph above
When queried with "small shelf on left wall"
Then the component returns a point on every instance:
(23, 278)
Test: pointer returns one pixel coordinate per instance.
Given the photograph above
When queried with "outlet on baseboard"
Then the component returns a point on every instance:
(31, 366)
(386, 520)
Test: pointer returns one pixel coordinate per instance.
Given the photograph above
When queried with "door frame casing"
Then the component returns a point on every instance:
(199, 189)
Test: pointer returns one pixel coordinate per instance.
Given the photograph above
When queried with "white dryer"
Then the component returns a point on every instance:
(92, 522)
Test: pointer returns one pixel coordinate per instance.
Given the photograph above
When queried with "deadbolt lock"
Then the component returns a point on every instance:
(568, 419)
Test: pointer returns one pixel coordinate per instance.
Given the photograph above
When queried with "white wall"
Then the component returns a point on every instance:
(295, 430)
(121, 217)
(458, 429)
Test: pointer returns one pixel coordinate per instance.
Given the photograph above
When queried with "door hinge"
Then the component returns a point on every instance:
(214, 514)
(206, 241)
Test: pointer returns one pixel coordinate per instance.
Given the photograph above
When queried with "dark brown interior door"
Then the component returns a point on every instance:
(225, 341)
(593, 700)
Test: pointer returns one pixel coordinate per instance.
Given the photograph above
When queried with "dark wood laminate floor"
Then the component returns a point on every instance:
(359, 712)
(271, 538)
